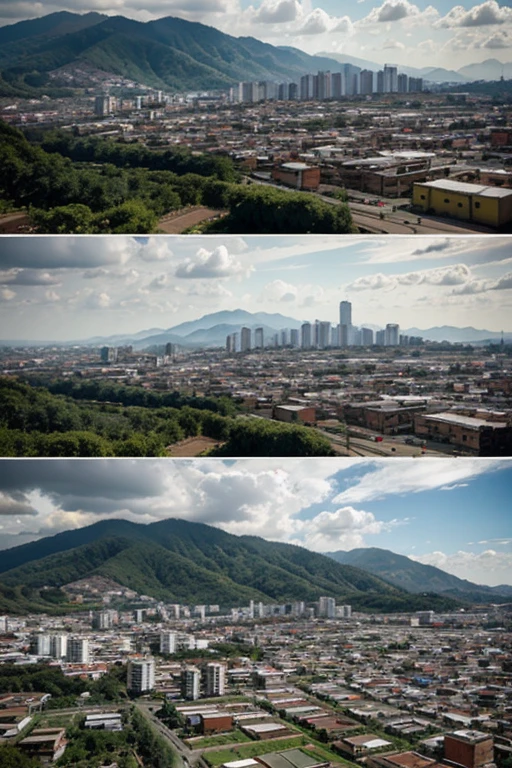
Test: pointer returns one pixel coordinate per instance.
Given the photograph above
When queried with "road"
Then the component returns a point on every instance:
(187, 757)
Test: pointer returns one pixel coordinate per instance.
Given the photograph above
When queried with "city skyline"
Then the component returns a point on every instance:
(440, 33)
(400, 505)
(72, 288)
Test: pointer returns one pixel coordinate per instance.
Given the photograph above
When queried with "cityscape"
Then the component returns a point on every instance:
(255, 384)
(320, 679)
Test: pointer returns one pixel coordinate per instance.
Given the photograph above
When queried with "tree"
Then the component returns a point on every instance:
(130, 218)
(12, 757)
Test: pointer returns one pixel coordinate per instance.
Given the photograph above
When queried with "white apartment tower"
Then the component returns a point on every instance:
(190, 679)
(168, 642)
(327, 607)
(245, 340)
(392, 335)
(215, 679)
(78, 650)
(141, 675)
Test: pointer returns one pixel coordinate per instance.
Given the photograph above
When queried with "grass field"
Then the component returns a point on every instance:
(233, 737)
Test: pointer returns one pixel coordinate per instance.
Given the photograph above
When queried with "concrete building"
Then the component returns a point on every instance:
(78, 650)
(327, 607)
(294, 413)
(141, 675)
(392, 335)
(190, 683)
(297, 175)
(306, 336)
(471, 749)
(491, 206)
(215, 679)
(481, 433)
(245, 340)
(168, 642)
(258, 338)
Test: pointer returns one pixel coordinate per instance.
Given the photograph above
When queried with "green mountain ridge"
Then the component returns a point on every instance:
(417, 578)
(180, 561)
(166, 53)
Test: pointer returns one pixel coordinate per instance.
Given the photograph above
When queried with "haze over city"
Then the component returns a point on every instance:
(74, 288)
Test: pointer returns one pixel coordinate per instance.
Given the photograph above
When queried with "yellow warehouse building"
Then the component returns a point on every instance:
(491, 206)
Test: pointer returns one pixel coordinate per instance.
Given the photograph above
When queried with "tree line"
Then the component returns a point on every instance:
(93, 186)
(71, 418)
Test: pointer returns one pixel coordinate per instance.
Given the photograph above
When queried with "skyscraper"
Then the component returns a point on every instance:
(392, 335)
(305, 336)
(245, 339)
(345, 323)
(258, 338)
(345, 313)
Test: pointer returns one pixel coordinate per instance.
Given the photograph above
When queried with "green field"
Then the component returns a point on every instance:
(233, 737)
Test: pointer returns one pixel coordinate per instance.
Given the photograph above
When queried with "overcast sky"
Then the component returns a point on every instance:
(69, 288)
(423, 33)
(452, 513)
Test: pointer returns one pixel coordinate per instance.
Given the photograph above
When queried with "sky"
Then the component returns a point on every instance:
(451, 513)
(73, 288)
(422, 33)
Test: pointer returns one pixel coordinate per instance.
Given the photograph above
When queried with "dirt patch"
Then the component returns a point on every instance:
(178, 222)
(192, 446)
(14, 223)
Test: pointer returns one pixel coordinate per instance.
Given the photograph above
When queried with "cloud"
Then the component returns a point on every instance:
(206, 264)
(344, 528)
(500, 39)
(278, 12)
(487, 567)
(11, 507)
(42, 253)
(473, 286)
(316, 23)
(393, 11)
(27, 277)
(432, 248)
(6, 294)
(396, 477)
(452, 275)
(486, 14)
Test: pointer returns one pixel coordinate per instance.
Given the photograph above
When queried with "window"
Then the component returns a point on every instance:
(446, 200)
(477, 205)
(423, 197)
(459, 205)
(464, 438)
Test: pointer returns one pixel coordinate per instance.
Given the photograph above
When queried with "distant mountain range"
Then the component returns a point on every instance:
(180, 561)
(168, 53)
(171, 53)
(417, 578)
(211, 331)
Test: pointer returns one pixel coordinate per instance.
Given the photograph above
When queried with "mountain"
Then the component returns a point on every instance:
(179, 561)
(455, 335)
(440, 75)
(490, 69)
(416, 577)
(166, 53)
(51, 26)
(235, 317)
